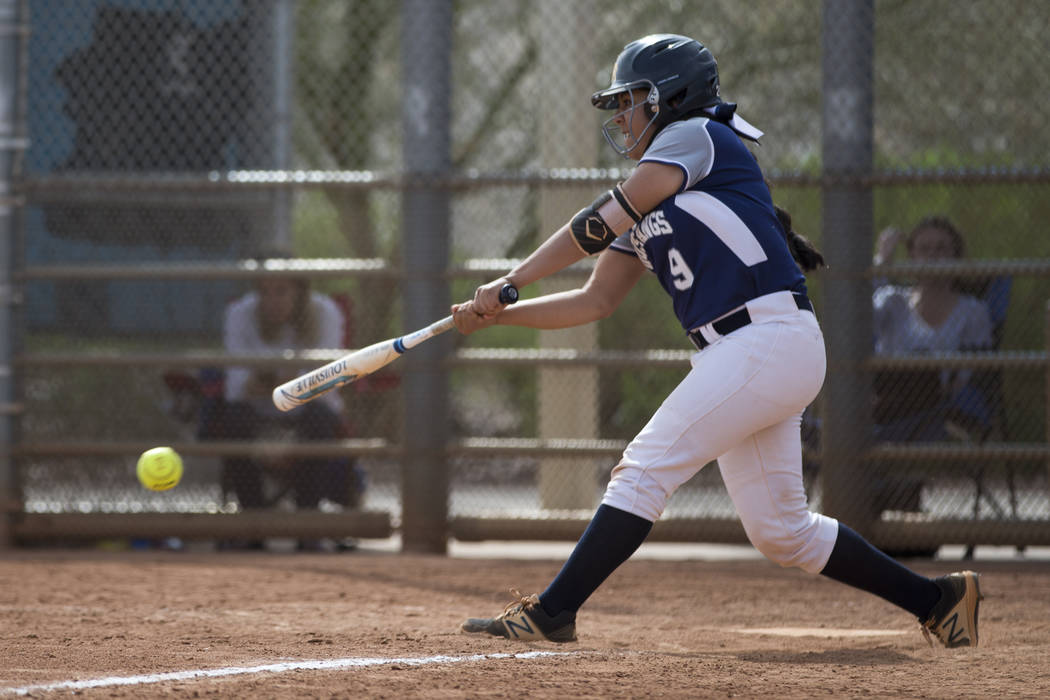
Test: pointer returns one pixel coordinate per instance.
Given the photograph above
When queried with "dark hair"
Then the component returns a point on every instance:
(941, 223)
(805, 253)
(305, 319)
(974, 287)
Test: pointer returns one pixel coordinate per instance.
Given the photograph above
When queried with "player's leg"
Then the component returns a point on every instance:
(946, 606)
(610, 539)
(236, 420)
(763, 476)
(717, 405)
(318, 477)
(242, 475)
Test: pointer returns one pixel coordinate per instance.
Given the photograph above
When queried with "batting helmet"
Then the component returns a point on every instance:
(680, 73)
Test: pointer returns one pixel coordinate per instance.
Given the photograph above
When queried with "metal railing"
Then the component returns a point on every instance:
(939, 457)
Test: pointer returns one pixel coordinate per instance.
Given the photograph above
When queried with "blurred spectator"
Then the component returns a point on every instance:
(933, 315)
(280, 314)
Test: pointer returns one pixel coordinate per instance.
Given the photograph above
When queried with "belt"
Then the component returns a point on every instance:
(736, 320)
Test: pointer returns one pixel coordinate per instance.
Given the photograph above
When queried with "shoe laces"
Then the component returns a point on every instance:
(926, 633)
(523, 602)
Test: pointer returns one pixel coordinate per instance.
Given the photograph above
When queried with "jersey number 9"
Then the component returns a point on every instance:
(683, 276)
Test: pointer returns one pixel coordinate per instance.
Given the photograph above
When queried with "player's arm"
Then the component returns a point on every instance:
(614, 275)
(590, 231)
(652, 183)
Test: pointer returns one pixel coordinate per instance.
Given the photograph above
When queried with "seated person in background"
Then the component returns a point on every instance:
(931, 316)
(934, 315)
(281, 314)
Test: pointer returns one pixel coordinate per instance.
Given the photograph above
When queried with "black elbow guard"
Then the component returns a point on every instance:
(589, 229)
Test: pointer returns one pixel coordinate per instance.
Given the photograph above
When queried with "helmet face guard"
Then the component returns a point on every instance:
(621, 139)
(680, 74)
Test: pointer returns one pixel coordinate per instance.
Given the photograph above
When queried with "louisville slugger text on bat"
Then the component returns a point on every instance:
(363, 362)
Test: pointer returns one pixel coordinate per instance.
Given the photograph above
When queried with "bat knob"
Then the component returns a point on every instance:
(508, 294)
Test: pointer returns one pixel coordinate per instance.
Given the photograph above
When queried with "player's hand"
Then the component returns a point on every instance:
(486, 301)
(889, 239)
(468, 320)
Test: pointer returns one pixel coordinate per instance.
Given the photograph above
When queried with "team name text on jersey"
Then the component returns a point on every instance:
(654, 224)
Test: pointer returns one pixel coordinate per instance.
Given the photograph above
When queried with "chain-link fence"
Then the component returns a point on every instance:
(179, 166)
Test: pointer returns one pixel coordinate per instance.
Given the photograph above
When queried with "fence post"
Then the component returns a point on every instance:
(281, 131)
(848, 69)
(426, 42)
(567, 401)
(11, 145)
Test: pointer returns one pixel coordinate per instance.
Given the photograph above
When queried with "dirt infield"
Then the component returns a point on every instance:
(387, 627)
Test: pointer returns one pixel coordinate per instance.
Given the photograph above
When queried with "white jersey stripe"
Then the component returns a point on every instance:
(725, 224)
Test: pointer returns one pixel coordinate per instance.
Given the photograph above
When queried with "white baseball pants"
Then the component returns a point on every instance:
(740, 404)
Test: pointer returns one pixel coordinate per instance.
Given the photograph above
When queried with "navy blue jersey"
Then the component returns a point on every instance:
(717, 243)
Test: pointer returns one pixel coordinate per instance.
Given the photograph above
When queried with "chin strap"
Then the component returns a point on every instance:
(725, 112)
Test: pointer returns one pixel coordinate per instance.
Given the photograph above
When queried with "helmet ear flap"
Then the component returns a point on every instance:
(652, 102)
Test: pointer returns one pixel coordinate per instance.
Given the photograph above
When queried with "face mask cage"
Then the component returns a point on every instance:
(614, 135)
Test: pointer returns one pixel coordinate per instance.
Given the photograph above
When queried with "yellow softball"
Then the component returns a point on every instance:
(159, 469)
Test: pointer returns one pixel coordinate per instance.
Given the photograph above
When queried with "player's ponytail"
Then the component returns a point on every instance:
(805, 253)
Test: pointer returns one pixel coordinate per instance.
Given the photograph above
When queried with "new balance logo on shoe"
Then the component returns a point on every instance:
(953, 620)
(522, 623)
(955, 636)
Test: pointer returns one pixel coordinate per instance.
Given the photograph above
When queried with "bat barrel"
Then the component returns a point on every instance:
(311, 385)
(335, 374)
(282, 399)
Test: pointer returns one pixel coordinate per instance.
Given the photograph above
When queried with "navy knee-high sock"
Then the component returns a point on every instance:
(610, 539)
(857, 563)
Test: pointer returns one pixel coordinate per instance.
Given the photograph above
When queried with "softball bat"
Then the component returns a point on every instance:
(360, 363)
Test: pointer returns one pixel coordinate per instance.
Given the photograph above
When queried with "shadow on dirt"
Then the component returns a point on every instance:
(842, 657)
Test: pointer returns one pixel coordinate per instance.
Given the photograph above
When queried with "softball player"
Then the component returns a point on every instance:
(697, 213)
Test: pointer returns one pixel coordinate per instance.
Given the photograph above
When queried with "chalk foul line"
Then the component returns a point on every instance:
(282, 667)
